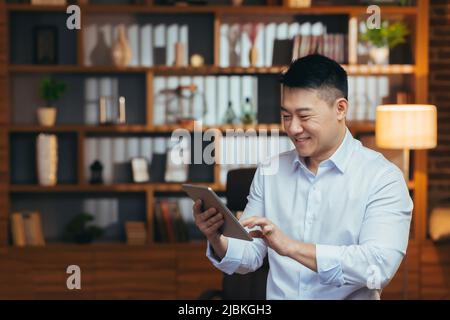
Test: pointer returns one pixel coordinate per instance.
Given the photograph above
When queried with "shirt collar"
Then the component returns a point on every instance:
(339, 158)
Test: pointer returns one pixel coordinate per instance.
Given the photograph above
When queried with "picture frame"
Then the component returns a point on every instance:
(139, 168)
(45, 44)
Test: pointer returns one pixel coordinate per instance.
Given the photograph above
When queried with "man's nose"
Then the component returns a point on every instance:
(296, 126)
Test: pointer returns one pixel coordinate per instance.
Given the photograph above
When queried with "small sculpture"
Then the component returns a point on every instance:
(96, 172)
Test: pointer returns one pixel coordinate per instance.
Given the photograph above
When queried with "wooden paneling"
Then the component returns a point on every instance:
(435, 271)
(196, 274)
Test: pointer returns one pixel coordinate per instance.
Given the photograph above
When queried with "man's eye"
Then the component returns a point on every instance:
(304, 117)
(286, 117)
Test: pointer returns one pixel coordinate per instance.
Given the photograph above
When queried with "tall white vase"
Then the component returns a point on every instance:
(47, 159)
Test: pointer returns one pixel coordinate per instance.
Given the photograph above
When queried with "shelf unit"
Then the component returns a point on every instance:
(417, 71)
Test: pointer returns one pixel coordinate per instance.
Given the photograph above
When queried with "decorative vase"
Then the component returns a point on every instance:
(47, 159)
(121, 51)
(253, 56)
(379, 55)
(46, 116)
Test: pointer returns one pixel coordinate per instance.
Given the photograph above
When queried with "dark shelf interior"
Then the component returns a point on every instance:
(56, 211)
(23, 158)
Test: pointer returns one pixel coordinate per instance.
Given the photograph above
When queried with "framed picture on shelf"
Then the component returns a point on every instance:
(139, 169)
(45, 45)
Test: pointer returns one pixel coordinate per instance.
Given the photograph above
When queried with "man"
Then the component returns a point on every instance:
(334, 220)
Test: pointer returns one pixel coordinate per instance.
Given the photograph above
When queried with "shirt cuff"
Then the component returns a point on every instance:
(232, 259)
(329, 265)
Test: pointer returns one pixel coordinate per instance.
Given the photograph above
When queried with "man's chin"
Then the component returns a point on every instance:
(302, 152)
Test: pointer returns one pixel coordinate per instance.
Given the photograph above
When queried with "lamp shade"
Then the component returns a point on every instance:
(408, 126)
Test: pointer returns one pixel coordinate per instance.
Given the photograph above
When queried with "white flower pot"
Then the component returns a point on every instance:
(47, 159)
(379, 55)
(46, 116)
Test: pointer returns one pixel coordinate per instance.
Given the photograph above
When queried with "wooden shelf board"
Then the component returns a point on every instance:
(355, 127)
(116, 187)
(211, 9)
(112, 246)
(205, 70)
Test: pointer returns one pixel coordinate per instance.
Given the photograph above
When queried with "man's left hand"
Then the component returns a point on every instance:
(271, 234)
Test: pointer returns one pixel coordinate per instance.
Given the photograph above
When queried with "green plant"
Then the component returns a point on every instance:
(78, 231)
(51, 90)
(390, 34)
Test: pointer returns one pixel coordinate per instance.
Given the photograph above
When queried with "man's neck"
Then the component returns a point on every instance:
(313, 162)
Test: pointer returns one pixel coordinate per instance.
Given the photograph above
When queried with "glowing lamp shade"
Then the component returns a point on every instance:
(406, 126)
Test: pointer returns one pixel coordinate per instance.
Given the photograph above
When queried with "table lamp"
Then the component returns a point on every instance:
(406, 126)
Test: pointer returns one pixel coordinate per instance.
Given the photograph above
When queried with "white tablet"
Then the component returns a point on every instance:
(231, 227)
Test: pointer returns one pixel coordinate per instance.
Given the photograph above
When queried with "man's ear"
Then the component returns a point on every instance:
(341, 108)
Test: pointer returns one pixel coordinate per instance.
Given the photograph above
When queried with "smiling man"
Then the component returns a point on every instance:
(334, 220)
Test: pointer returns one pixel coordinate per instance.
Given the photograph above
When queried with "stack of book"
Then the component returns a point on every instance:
(26, 229)
(136, 233)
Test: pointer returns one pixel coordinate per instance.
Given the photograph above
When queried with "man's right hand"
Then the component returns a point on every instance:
(209, 223)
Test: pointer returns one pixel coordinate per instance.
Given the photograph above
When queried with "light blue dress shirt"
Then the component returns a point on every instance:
(356, 209)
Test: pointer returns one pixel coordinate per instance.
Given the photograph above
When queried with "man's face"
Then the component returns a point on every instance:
(312, 124)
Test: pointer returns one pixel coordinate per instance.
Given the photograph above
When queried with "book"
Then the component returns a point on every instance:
(180, 228)
(183, 37)
(159, 101)
(133, 40)
(26, 229)
(168, 221)
(282, 52)
(146, 54)
(171, 38)
(259, 44)
(210, 97)
(18, 229)
(270, 34)
(159, 229)
(37, 228)
(224, 46)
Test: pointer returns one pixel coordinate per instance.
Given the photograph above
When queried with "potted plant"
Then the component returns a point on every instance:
(50, 90)
(78, 229)
(381, 40)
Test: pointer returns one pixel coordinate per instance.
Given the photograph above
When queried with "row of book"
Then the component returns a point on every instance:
(329, 45)
(26, 229)
(236, 41)
(150, 44)
(169, 225)
(365, 93)
(214, 95)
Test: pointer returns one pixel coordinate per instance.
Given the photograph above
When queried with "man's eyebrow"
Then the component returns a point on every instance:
(296, 110)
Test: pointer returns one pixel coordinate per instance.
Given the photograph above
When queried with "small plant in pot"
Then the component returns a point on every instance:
(79, 230)
(381, 40)
(50, 90)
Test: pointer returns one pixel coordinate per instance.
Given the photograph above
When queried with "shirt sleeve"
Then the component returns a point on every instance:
(244, 256)
(382, 242)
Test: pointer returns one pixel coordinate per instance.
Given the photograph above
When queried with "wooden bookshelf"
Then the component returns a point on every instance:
(175, 268)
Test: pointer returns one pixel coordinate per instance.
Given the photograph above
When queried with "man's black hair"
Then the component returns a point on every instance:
(317, 72)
